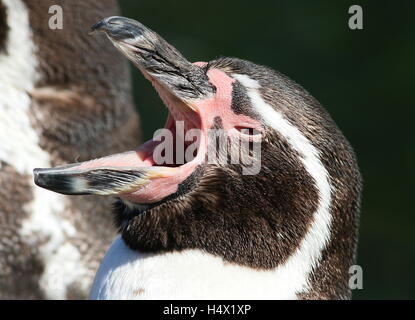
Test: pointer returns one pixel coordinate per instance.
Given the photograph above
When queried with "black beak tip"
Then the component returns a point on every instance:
(118, 28)
(102, 25)
(97, 27)
(37, 176)
(49, 178)
(41, 177)
(107, 24)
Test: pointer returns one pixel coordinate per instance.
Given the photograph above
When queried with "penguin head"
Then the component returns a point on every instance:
(246, 160)
(210, 121)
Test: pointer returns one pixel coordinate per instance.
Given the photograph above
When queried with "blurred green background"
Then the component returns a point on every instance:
(364, 78)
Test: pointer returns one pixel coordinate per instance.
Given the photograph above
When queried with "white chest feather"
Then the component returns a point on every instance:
(190, 274)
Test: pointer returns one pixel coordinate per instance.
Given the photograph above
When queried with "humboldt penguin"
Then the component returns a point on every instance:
(58, 98)
(209, 227)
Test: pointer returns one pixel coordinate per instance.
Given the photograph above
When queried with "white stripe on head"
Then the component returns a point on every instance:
(299, 266)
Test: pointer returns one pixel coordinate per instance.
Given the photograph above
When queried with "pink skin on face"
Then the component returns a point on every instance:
(219, 105)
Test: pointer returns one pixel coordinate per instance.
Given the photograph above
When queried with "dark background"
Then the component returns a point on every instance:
(363, 77)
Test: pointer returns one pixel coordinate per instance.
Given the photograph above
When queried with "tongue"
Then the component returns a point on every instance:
(125, 159)
(142, 157)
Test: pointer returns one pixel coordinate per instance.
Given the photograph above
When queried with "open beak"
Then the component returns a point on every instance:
(179, 83)
(156, 58)
(78, 179)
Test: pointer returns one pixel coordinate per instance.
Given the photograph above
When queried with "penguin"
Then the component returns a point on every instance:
(209, 227)
(58, 98)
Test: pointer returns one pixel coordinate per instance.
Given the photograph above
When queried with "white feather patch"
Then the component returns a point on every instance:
(190, 274)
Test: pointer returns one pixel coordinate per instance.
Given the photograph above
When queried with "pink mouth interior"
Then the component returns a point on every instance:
(142, 157)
